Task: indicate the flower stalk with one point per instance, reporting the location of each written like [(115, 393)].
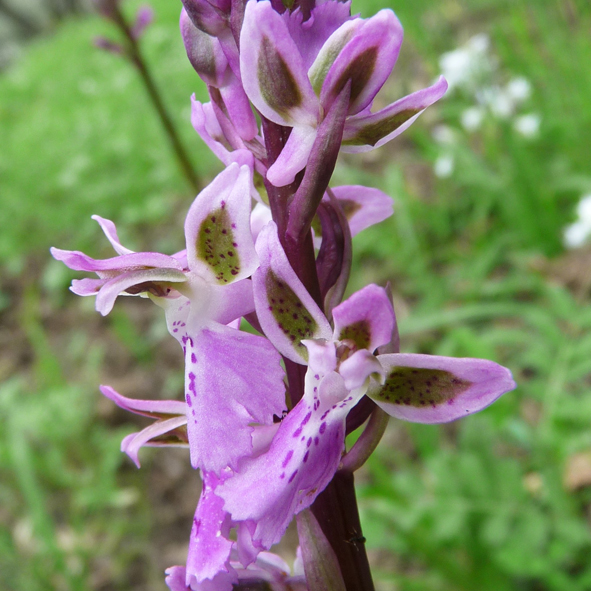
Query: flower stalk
[(265, 415)]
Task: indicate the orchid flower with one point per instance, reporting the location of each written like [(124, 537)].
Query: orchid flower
[(202, 289), (342, 367), (293, 70)]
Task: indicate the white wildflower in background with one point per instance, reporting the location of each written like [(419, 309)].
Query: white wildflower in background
[(577, 233), (519, 89), (472, 118), (464, 66), (444, 166), (527, 125)]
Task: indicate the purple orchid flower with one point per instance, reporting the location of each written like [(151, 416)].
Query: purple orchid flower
[(293, 70), (232, 379), (307, 450)]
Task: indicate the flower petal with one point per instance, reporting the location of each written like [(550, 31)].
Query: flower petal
[(143, 279), (310, 35), (363, 206), (149, 408), (365, 132), (209, 546), (219, 243), (110, 231), (301, 461), (132, 443), (232, 379), (78, 261), (433, 389), (366, 318), (272, 69), (293, 157), (286, 311), (366, 60)]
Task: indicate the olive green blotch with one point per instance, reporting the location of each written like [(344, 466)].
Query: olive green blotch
[(279, 88), (415, 386), (359, 71), (349, 207), (216, 246), (358, 332), (289, 312), (372, 133)]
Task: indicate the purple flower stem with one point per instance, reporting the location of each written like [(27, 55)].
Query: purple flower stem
[(336, 507), (336, 512), (135, 56)]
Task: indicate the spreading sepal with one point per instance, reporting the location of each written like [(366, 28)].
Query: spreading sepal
[(433, 389)]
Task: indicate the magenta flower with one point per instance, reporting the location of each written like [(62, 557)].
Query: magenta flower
[(293, 70), (271, 488), (232, 379)]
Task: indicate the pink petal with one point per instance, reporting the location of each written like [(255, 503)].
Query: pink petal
[(366, 60), (232, 379), (209, 546), (110, 231), (302, 460), (148, 408), (366, 318), (365, 132), (433, 389), (219, 243), (132, 443), (363, 206), (286, 311), (293, 157), (109, 292), (272, 69)]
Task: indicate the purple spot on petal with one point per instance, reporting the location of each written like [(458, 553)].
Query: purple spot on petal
[(282, 475), (292, 477), (309, 442), (322, 428), (316, 441), (189, 401), (306, 418), (306, 457), (287, 458)]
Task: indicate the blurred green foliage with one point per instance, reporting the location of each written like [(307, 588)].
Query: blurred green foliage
[(484, 503)]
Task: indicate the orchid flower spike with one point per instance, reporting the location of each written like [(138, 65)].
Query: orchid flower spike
[(293, 70), (343, 366)]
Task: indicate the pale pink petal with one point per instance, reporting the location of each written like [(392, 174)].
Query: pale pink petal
[(433, 389), (286, 311), (219, 243), (363, 206), (272, 69)]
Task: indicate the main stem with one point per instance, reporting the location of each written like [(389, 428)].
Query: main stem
[(336, 507), (138, 61)]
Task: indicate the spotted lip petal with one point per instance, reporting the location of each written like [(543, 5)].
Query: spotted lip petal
[(303, 457), (434, 389), (209, 546), (232, 380), (278, 293)]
